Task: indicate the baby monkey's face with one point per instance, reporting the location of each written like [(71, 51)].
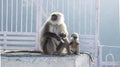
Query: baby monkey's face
[(75, 36)]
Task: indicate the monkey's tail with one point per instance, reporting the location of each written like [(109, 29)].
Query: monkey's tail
[(22, 51), (91, 58)]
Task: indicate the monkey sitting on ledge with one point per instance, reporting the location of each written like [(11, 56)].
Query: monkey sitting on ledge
[(74, 44), (53, 37), (74, 47), (51, 45)]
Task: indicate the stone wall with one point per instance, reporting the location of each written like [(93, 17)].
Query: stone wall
[(37, 60)]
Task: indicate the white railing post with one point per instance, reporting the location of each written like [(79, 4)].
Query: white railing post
[(21, 15), (38, 24), (97, 26), (31, 16), (57, 7), (97, 18), (11, 15), (26, 15), (16, 15), (85, 7), (100, 56), (47, 2), (63, 6), (6, 15), (73, 13), (52, 6), (68, 14), (2, 15), (79, 15), (91, 16)]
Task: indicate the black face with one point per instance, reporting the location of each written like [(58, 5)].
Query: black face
[(75, 37), (54, 17)]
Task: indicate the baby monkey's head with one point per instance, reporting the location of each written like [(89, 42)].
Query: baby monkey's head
[(75, 36)]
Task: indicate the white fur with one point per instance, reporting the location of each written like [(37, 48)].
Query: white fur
[(56, 27)]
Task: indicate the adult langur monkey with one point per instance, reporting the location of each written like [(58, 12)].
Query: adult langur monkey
[(74, 46), (53, 38)]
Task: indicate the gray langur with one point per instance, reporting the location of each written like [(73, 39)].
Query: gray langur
[(53, 37), (74, 46)]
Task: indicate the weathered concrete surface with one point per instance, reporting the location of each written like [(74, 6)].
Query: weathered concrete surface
[(37, 60)]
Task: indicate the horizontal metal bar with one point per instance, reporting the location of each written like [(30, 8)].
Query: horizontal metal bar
[(1, 42), (18, 48), (21, 33), (2, 37), (22, 43), (110, 63), (87, 40), (20, 38), (87, 36), (109, 46), (1, 32)]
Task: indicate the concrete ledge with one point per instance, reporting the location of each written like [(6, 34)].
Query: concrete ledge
[(37, 60)]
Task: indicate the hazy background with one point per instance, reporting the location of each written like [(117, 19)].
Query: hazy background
[(109, 22), (79, 17), (109, 17)]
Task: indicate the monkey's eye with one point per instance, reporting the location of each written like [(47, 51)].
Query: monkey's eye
[(54, 17)]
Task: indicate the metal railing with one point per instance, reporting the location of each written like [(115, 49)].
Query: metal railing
[(109, 56), (19, 23)]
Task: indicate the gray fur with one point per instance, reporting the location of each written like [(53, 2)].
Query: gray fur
[(49, 43)]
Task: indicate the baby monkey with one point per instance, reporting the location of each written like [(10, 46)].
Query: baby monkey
[(74, 46)]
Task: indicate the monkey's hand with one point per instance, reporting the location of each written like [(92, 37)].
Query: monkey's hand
[(50, 34), (62, 35)]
